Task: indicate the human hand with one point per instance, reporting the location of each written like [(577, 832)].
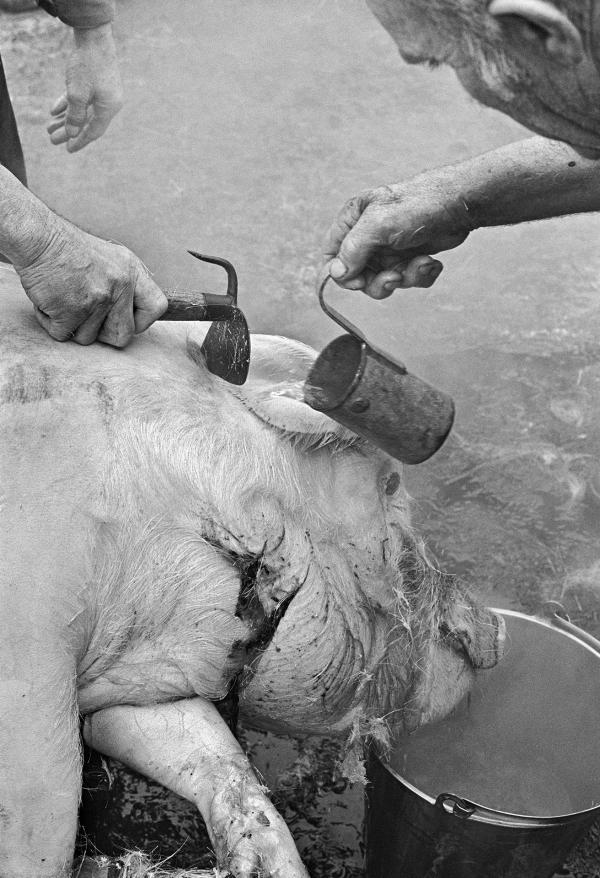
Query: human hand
[(86, 289), (382, 239), (94, 94)]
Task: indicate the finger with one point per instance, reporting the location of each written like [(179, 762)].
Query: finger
[(422, 271), (88, 331), (60, 329), (55, 125), (352, 241), (344, 221), (383, 284), (76, 115), (94, 129), (59, 106), (356, 283), (356, 250), (149, 302), (59, 137), (119, 326)]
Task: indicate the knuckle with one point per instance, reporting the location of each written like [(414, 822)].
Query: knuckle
[(59, 333), (395, 239), (120, 338), (383, 193), (77, 100), (102, 297)]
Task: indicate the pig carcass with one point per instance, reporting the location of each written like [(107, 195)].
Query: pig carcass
[(165, 534)]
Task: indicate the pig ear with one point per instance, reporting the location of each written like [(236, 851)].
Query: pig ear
[(480, 642), (274, 392)]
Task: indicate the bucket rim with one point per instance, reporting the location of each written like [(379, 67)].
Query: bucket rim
[(556, 623), (338, 401), (483, 813)]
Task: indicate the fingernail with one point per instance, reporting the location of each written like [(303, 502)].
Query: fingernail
[(428, 269), (391, 285), (337, 269)]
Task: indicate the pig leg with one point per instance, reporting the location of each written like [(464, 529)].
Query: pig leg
[(40, 769), (187, 746)]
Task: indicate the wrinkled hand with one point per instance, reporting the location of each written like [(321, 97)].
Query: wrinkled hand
[(86, 289), (381, 239), (94, 94)]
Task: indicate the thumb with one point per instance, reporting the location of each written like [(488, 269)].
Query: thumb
[(355, 251), (149, 302), (59, 106), (76, 115)]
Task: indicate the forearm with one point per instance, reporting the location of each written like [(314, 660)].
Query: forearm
[(529, 180), (26, 223)]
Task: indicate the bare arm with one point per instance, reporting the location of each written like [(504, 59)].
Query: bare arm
[(529, 180), (382, 239), (187, 746), (81, 286)]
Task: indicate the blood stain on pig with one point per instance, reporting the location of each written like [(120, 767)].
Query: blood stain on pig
[(261, 626)]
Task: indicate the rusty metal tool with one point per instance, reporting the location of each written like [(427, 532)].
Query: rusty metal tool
[(226, 347), (375, 396)]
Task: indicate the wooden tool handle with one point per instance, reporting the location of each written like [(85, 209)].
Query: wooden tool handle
[(198, 306)]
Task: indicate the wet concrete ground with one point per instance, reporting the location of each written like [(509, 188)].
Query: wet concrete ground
[(246, 126)]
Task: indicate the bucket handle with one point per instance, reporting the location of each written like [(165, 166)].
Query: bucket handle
[(558, 616), (459, 808), (350, 328)]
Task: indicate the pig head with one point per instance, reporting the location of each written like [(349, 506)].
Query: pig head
[(355, 622)]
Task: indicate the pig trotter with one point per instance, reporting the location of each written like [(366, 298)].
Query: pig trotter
[(187, 746), (250, 838)]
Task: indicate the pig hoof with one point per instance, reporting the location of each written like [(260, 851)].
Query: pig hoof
[(251, 839)]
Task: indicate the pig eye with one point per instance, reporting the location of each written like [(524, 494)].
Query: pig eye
[(392, 483)]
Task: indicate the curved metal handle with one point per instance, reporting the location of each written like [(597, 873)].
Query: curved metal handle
[(232, 281), (205, 306), (334, 314), (460, 807), (558, 616), (351, 328)]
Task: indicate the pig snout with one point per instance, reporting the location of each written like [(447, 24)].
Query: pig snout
[(471, 639), (475, 633)]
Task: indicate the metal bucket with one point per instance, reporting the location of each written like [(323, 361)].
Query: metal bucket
[(506, 785)]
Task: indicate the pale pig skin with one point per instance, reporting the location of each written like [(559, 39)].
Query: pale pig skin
[(165, 533)]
